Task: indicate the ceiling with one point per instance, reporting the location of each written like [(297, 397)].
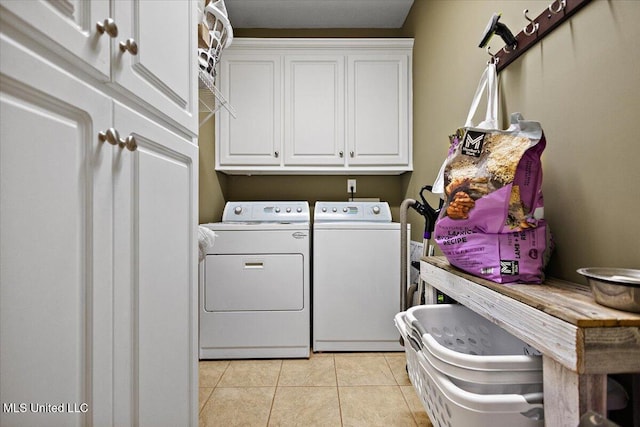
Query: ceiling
[(318, 13)]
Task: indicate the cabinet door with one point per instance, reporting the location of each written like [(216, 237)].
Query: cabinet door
[(55, 240), (251, 84), (67, 27), (155, 276), (378, 110), (314, 110), (163, 72)]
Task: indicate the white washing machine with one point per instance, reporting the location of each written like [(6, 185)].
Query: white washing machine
[(255, 283), (356, 277)]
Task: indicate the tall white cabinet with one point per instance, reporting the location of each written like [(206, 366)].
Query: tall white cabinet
[(316, 106), (98, 218)]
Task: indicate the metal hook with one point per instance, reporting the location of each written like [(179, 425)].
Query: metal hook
[(494, 59), (561, 5), (534, 25)]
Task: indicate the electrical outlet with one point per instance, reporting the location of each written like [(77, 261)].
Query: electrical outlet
[(351, 186)]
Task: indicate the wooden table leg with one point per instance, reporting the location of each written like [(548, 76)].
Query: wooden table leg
[(568, 395)]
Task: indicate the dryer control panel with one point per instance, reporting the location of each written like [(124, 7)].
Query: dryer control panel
[(352, 212), (279, 212)]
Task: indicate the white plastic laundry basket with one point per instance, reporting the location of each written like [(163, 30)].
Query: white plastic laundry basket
[(451, 406), (220, 36), (467, 347)]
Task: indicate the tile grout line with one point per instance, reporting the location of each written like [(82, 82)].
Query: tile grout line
[(205, 402), (413, 416), (212, 388), (223, 372), (335, 371), (275, 391)]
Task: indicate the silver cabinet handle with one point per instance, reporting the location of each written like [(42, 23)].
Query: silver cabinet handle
[(276, 153), (129, 143), (107, 26), (129, 45), (113, 137), (341, 154), (351, 153), (110, 135)]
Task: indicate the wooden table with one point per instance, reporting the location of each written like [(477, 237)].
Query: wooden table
[(581, 341)]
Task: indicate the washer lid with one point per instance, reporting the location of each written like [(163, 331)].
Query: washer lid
[(352, 212)]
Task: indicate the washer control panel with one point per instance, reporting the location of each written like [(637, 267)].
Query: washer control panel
[(281, 212), (352, 211)]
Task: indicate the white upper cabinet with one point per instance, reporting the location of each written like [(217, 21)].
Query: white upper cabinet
[(378, 110), (68, 28), (314, 110), (252, 85), (125, 42), (316, 106), (154, 63)]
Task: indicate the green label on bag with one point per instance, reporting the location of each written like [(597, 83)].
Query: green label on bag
[(472, 143)]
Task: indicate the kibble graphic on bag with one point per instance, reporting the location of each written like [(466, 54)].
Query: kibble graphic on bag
[(490, 166), (492, 221)]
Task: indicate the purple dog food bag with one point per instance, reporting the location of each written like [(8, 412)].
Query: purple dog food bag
[(492, 222)]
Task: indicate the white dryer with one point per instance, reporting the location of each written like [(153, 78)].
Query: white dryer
[(255, 283), (356, 277)]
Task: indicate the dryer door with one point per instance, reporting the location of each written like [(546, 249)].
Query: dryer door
[(254, 282)]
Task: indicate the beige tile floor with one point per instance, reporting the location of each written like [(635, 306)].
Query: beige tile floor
[(328, 389)]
